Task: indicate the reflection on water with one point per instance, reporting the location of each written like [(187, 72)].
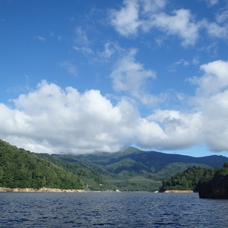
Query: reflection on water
[(111, 210)]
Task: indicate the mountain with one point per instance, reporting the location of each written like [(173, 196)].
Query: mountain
[(150, 159), (132, 169)]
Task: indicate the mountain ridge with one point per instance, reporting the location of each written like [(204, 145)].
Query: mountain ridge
[(129, 169)]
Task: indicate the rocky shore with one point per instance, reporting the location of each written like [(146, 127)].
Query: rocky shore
[(3, 189)]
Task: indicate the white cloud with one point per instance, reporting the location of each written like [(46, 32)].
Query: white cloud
[(50, 119), (152, 5), (54, 120), (84, 50), (222, 16), (212, 2), (182, 62), (81, 37), (172, 129), (126, 20), (107, 53), (130, 76), (180, 23), (215, 119), (70, 67), (142, 15), (179, 130), (40, 38), (212, 101), (215, 78), (214, 29)]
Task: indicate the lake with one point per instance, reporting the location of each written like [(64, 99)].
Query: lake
[(110, 209)]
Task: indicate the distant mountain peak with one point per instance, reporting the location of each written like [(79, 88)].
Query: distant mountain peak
[(129, 149)]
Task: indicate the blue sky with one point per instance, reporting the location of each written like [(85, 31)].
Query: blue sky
[(78, 76)]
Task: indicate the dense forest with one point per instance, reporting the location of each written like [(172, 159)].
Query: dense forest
[(20, 168), (210, 182), (127, 170), (92, 179), (135, 170)]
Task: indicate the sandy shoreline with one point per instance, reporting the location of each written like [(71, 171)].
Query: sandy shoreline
[(178, 191), (4, 189), (44, 189)]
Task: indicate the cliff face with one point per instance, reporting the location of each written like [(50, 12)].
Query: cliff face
[(217, 188)]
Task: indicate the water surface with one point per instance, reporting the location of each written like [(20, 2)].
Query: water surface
[(107, 209)]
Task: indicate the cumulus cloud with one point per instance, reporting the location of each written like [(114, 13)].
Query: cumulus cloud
[(126, 20), (214, 79), (142, 15), (186, 127), (50, 119), (212, 101), (131, 77), (215, 121), (55, 120), (179, 23)]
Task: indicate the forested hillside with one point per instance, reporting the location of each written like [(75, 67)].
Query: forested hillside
[(92, 179), (136, 170), (20, 168), (127, 170), (210, 183), (153, 160)]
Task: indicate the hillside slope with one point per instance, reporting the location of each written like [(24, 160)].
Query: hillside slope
[(20, 168), (134, 170), (151, 159), (92, 179), (210, 182)]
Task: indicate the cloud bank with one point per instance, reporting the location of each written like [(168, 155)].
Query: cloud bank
[(51, 119)]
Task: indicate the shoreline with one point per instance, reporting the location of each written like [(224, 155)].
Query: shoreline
[(178, 191), (44, 189)]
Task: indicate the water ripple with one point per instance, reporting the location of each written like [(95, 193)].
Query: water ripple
[(110, 210)]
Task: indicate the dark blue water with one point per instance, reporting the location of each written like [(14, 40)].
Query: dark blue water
[(111, 210)]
